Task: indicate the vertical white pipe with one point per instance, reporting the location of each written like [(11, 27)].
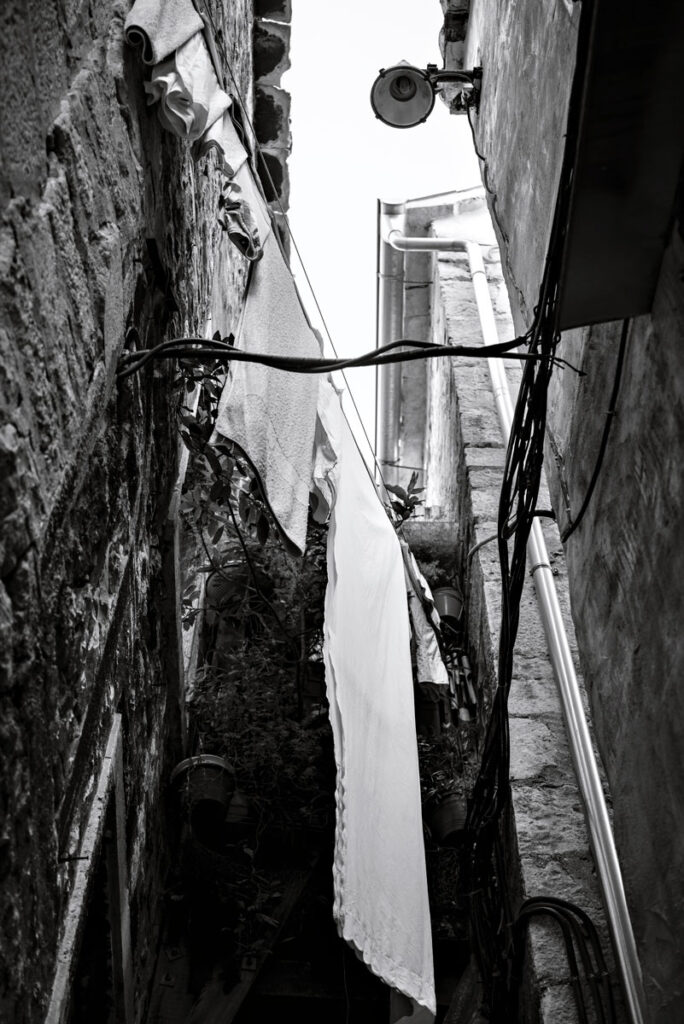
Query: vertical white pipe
[(390, 328)]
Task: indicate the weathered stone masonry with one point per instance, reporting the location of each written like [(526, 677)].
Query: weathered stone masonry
[(450, 426), (106, 223), (626, 561)]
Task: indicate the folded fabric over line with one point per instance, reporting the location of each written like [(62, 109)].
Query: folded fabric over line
[(269, 414), (161, 26), (430, 667), (238, 221), (253, 198), (223, 136), (187, 89), (380, 887)]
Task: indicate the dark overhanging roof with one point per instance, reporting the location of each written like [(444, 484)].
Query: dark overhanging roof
[(628, 163)]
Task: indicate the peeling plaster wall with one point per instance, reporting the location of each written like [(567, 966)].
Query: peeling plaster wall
[(626, 562), (88, 608)]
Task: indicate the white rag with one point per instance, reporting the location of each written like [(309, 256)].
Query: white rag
[(187, 89), (222, 135), (271, 414), (430, 667), (380, 887), (161, 26), (253, 197)]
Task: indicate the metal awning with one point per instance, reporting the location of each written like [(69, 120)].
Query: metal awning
[(629, 158)]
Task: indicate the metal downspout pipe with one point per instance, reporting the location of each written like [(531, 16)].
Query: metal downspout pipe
[(390, 328), (586, 769)]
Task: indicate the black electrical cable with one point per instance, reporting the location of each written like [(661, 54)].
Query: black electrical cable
[(225, 352), (599, 979), (610, 416)]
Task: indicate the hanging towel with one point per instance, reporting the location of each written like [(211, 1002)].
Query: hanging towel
[(223, 136), (237, 218), (253, 197), (380, 888), (271, 414), (161, 26), (430, 667), (187, 89)]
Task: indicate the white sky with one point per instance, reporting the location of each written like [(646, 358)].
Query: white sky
[(344, 159)]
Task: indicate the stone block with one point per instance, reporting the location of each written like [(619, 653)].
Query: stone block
[(275, 177), (533, 688), (538, 750), (484, 458), (548, 815), (417, 328), (558, 1005), (273, 10), (270, 51), (272, 117), (417, 300), (479, 432)]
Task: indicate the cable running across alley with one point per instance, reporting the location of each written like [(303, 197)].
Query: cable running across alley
[(223, 351)]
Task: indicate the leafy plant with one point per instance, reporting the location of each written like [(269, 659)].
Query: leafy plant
[(406, 501)]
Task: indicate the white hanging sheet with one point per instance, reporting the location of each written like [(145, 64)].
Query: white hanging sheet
[(381, 900), (271, 414)]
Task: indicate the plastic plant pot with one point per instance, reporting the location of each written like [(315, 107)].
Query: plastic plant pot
[(449, 604), (206, 784), (446, 818)]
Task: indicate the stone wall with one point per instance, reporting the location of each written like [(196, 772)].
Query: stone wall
[(625, 562), (547, 849), (106, 223)]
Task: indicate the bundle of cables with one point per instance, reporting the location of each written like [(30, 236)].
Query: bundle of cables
[(222, 350), (499, 934)]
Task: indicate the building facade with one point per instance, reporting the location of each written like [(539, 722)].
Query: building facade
[(110, 238), (615, 433)]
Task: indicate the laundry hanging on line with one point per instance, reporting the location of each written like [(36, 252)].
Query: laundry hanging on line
[(380, 889), (292, 428), (192, 105), (430, 667), (187, 90), (271, 415), (159, 27), (222, 135)]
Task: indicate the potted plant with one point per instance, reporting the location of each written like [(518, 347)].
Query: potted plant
[(443, 786)]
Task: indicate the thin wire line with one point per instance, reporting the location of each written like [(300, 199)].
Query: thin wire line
[(299, 257)]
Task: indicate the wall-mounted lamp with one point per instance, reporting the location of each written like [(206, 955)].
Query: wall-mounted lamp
[(403, 96)]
